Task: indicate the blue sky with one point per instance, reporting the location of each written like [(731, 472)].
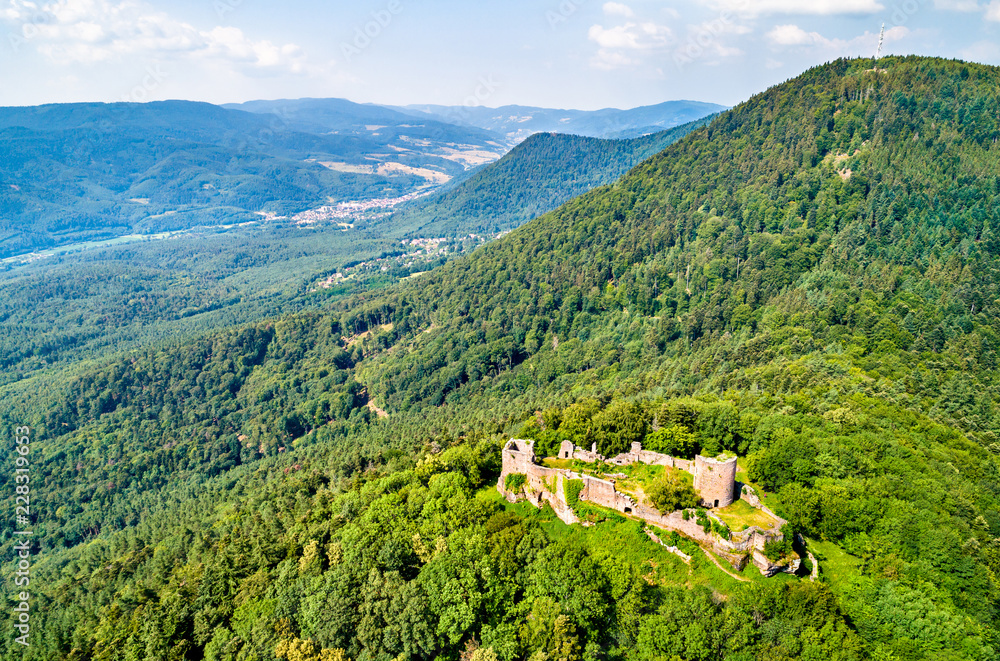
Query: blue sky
[(583, 54)]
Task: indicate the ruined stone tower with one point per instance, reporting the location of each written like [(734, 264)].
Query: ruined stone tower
[(715, 480)]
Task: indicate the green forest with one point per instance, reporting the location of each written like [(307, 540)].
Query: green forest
[(537, 176), (811, 281), (78, 172)]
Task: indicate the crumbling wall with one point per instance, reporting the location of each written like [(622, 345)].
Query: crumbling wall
[(518, 456), (548, 485), (557, 499), (603, 492), (715, 480), (658, 459)]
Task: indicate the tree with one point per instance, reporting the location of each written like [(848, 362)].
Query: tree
[(671, 492), (674, 440), (618, 426), (295, 649), (577, 421)]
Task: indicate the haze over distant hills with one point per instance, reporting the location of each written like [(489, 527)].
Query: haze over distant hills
[(76, 172), (518, 122), (71, 173)]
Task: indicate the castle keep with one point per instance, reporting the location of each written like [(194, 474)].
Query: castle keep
[(714, 480)]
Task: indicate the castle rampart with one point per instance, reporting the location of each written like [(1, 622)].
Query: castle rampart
[(715, 479)]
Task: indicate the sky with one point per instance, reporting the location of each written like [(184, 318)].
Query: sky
[(583, 54)]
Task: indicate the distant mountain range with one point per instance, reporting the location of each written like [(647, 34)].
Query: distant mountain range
[(78, 172), (518, 122)]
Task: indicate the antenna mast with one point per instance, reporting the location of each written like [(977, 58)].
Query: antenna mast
[(881, 40)]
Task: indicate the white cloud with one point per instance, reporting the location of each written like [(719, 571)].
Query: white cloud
[(620, 44), (711, 38), (93, 31), (618, 9), (798, 7), (630, 36), (993, 11), (982, 51), (790, 36), (793, 35)]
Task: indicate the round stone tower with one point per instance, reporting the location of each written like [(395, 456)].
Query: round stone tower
[(715, 480)]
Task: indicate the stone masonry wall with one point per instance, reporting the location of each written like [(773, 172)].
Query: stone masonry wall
[(715, 481), (603, 492), (549, 485)]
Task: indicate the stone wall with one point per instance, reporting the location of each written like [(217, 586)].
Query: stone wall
[(583, 455), (715, 481), (518, 456), (548, 485), (657, 459), (603, 492)]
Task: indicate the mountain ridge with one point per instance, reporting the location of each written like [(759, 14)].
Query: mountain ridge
[(536, 176), (518, 122)]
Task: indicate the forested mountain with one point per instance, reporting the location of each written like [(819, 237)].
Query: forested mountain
[(71, 173), (75, 172), (519, 122), (810, 282), (538, 175)]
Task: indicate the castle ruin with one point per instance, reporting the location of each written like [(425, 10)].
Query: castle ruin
[(714, 480)]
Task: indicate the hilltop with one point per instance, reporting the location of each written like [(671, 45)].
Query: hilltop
[(535, 177), (809, 283)]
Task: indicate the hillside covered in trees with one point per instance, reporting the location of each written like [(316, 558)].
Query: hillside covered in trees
[(537, 176), (810, 282), (83, 171)]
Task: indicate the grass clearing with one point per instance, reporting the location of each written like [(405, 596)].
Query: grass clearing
[(615, 538), (622, 537), (552, 462), (836, 566), (740, 516)]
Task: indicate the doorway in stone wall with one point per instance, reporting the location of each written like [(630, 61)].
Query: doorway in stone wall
[(716, 503)]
